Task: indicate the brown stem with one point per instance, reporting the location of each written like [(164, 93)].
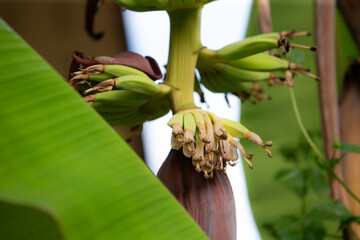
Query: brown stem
[(350, 10), (325, 40), (350, 132), (264, 10)]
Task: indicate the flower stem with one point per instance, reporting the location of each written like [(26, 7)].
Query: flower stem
[(184, 43), (333, 174), (314, 147), (301, 125)]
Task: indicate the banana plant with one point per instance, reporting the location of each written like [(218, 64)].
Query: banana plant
[(60, 157)]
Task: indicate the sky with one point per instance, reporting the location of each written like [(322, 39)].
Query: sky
[(222, 23)]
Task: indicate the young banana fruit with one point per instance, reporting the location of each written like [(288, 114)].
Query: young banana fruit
[(230, 68), (258, 44), (208, 140), (135, 83), (122, 95), (129, 108)]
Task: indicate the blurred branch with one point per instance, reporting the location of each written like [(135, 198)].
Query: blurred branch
[(350, 132), (325, 41), (350, 10), (264, 15)]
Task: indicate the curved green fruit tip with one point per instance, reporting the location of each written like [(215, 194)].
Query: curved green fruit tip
[(235, 129), (119, 98), (139, 84), (260, 62), (245, 48), (200, 124), (235, 74), (177, 118), (122, 70), (189, 123), (100, 77), (238, 130)]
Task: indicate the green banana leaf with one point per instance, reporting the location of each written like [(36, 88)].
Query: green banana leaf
[(64, 172), (275, 120)]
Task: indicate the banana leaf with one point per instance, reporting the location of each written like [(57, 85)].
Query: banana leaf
[(64, 172)]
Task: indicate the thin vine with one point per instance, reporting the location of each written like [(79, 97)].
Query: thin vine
[(314, 147)]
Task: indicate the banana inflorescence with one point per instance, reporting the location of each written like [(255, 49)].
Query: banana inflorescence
[(209, 140), (121, 94), (237, 68), (122, 90)]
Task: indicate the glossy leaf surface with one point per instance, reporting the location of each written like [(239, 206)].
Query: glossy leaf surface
[(59, 157)]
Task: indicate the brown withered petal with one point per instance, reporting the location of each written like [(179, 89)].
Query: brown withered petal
[(210, 202), (145, 64)]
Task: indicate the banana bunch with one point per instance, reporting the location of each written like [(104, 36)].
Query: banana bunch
[(209, 140), (122, 95), (237, 68), (151, 5)]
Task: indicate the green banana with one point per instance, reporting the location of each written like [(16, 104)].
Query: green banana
[(177, 118), (189, 123), (217, 82), (261, 62), (130, 116), (135, 83), (235, 129), (81, 78), (210, 132), (100, 77), (190, 131), (121, 70), (197, 136), (139, 84), (226, 83), (176, 123), (238, 130), (200, 124), (209, 83), (254, 45), (246, 47), (277, 35), (233, 74), (121, 98), (219, 129), (213, 80), (177, 136), (243, 90), (113, 69)]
